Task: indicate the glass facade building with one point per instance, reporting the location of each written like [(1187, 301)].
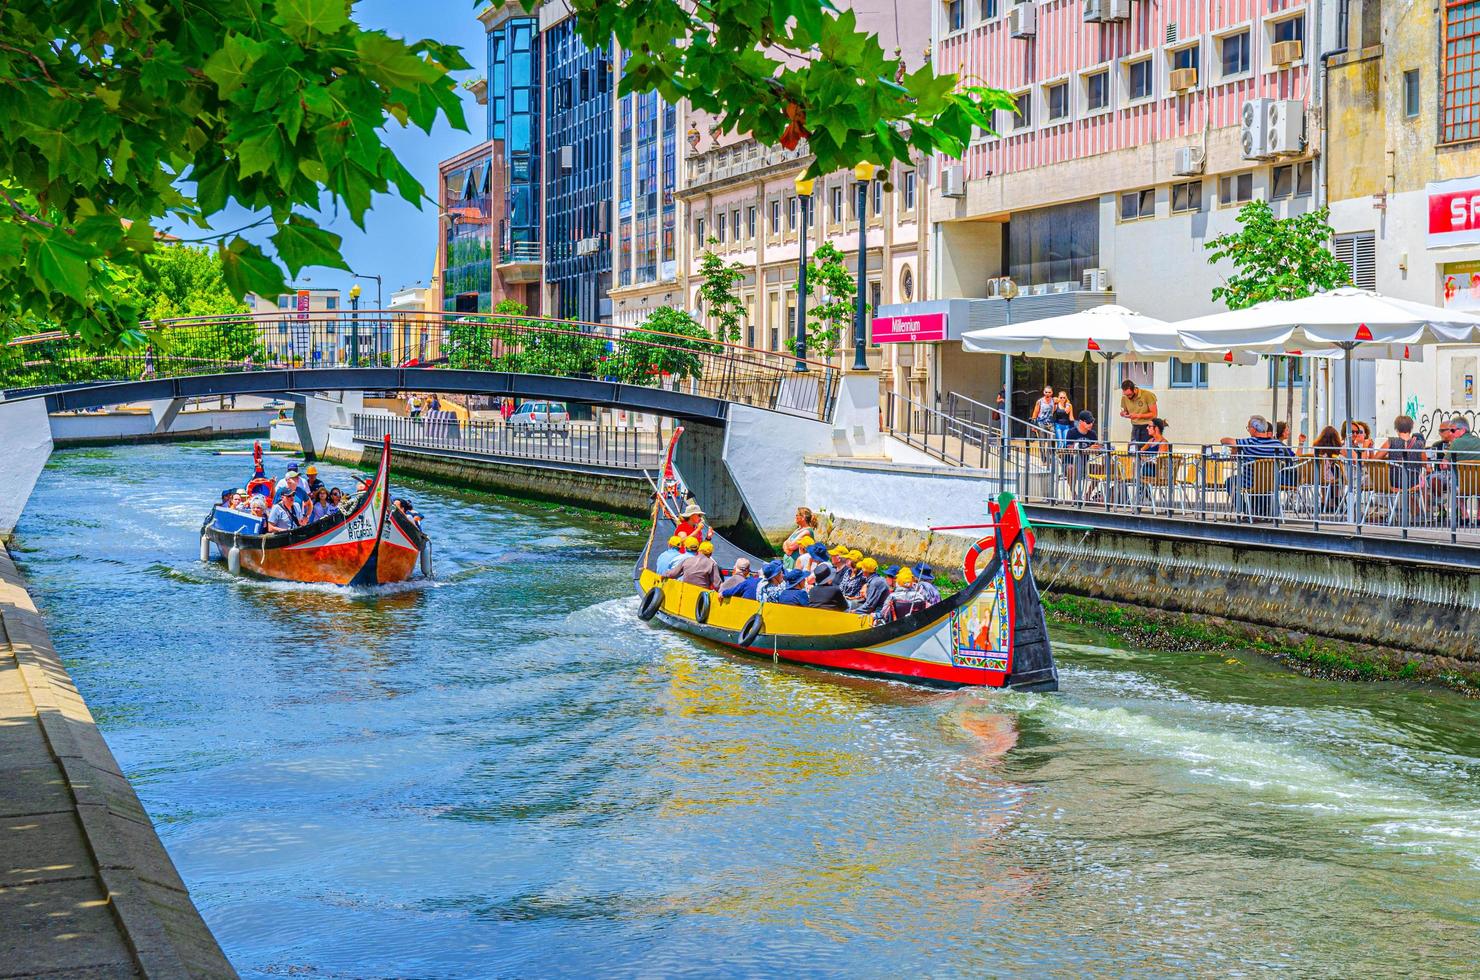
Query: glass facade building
[(578, 174), (467, 260), (514, 124), (647, 174)]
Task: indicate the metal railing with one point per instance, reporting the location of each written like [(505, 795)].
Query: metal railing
[(1423, 498), (579, 444), (959, 406), (521, 252), (935, 433), (472, 341)]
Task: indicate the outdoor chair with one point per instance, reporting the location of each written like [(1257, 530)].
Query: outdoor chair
[(1302, 490), (1261, 498), (1467, 491)]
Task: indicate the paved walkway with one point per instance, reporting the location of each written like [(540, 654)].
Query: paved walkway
[(86, 888)]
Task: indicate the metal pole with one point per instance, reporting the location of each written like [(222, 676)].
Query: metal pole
[(354, 330), (1005, 422), (801, 335), (860, 336), (1353, 488)]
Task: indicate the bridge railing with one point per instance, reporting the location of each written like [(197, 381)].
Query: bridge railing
[(470, 341), (607, 446)]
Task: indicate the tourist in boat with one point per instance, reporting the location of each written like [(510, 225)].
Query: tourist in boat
[(699, 568), (692, 525), (802, 558), (314, 483), (774, 582), (904, 599), (321, 506), (806, 526), (689, 548), (793, 594), (284, 514), (875, 587), (257, 507), (825, 594), (738, 576), (291, 484), (849, 575), (819, 555), (925, 582), (666, 559)]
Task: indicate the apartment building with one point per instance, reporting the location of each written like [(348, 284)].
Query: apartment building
[(1139, 130), (289, 337), (1403, 164), (644, 257), (744, 197)]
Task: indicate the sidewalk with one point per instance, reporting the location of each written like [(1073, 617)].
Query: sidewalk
[(86, 888)]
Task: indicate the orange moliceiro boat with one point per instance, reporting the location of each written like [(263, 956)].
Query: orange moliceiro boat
[(371, 544), (991, 633)]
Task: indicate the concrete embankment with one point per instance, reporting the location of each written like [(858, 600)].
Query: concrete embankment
[(86, 888)]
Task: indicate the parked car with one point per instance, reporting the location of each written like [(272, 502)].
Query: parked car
[(550, 418)]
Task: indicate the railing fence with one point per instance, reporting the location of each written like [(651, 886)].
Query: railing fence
[(615, 447)]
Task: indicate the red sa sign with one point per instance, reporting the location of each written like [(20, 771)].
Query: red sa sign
[(1454, 212)]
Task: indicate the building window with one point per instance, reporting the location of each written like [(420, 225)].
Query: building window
[(955, 15), (837, 205), (1138, 373), (1187, 57), (1290, 29), (878, 192), (1188, 374), (1097, 91), (1461, 116), (1136, 205), (1055, 244), (735, 223), (1023, 118), (719, 226), (1236, 189), (282, 302), (1287, 369), (1235, 51), (1410, 93), (331, 302), (699, 232), (750, 222), (907, 284), (1187, 198), (1291, 180), (1138, 79), (775, 217), (907, 195), (791, 213), (1359, 252), (1057, 97), (989, 9)]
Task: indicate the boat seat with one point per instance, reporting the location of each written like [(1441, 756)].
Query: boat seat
[(234, 521)]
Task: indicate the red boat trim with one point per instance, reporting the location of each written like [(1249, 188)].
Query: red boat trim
[(870, 662), (380, 474)]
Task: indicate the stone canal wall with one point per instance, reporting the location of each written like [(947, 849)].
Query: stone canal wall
[(86, 888)]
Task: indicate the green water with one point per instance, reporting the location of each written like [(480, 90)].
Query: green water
[(504, 772)]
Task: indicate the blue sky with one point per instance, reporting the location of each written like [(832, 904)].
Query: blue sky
[(398, 241)]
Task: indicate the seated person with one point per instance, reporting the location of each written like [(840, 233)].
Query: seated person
[(773, 582), (873, 587), (692, 524), (321, 506), (690, 548), (793, 594), (257, 507), (700, 568), (925, 582), (804, 558), (819, 555), (826, 595), (283, 516), (739, 575), (666, 559), (906, 599)]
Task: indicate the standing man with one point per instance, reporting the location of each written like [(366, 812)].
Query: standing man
[(1138, 405)]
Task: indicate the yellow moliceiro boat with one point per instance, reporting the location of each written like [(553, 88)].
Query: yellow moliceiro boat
[(991, 633)]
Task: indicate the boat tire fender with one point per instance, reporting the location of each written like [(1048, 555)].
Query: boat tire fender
[(751, 631), (701, 607), (205, 548), (651, 603), (234, 560), (426, 560)]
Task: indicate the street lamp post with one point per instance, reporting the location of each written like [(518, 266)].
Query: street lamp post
[(804, 188), (354, 325), (379, 303), (863, 173)]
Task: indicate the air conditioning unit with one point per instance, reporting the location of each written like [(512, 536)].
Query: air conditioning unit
[(1284, 53), (1106, 11), (1188, 161), (1286, 126), (1095, 281), (1184, 79), (1254, 129), (952, 181), (567, 157), (1022, 20)]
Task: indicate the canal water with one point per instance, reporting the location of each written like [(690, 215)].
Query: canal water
[(503, 772)]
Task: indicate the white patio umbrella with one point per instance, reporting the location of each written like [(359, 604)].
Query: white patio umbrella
[(1108, 331)]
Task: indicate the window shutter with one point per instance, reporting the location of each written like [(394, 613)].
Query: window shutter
[(1359, 252)]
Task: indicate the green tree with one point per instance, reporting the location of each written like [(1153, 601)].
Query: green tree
[(123, 115), (670, 342), (831, 294), (183, 281), (718, 280), (1276, 258), (476, 342), (787, 70)]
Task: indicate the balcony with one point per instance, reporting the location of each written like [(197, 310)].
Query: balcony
[(521, 262)]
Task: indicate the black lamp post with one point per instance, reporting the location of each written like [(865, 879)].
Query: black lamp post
[(863, 173), (379, 302), (354, 325), (804, 195)]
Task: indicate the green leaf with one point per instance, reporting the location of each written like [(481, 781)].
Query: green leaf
[(231, 67), (304, 18), (302, 243), (247, 269), (58, 263)]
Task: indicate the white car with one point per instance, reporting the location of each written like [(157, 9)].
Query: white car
[(549, 417)]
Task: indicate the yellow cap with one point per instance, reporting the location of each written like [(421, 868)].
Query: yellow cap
[(806, 541), (855, 556), (905, 576), (706, 547), (691, 544), (838, 550), (868, 565), (312, 470), (675, 541)]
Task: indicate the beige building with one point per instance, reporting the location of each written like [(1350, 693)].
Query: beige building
[(290, 338)]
